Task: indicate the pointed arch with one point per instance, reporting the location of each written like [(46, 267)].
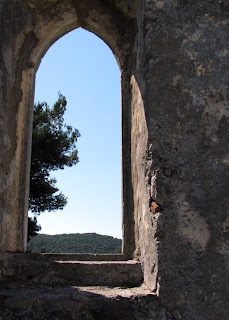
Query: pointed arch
[(31, 45)]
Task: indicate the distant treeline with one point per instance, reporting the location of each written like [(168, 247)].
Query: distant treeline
[(74, 243)]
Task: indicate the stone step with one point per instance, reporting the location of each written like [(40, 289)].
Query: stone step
[(86, 303), (75, 273)]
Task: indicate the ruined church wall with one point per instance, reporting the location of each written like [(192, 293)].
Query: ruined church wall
[(175, 120)]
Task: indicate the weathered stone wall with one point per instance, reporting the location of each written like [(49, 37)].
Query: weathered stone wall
[(184, 234), (173, 55)]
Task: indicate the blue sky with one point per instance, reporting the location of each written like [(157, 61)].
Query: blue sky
[(83, 68)]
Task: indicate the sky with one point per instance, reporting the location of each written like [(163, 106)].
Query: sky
[(83, 68)]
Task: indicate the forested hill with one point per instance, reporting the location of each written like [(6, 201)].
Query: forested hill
[(74, 243)]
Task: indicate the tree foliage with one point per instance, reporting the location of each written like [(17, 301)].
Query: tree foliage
[(53, 148), (33, 228)]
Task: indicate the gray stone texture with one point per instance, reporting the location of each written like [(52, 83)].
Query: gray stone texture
[(55, 270), (174, 59), (186, 161), (80, 303)]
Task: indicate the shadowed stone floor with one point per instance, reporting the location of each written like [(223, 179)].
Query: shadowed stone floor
[(62, 302)]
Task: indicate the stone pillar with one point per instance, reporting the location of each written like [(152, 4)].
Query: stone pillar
[(15, 123)]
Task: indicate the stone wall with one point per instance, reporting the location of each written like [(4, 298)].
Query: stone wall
[(184, 237), (173, 56)]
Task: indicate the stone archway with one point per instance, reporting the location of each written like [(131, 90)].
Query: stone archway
[(40, 25)]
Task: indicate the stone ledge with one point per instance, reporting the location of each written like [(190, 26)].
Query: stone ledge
[(66, 256), (75, 273)]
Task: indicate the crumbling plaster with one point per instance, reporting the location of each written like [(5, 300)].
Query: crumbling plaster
[(174, 59)]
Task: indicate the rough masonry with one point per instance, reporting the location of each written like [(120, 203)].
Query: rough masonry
[(174, 60)]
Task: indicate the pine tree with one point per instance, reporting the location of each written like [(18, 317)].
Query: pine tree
[(53, 148)]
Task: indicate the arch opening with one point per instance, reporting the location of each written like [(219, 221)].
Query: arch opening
[(31, 44), (82, 68)]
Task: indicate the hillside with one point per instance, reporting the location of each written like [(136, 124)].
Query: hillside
[(74, 243)]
